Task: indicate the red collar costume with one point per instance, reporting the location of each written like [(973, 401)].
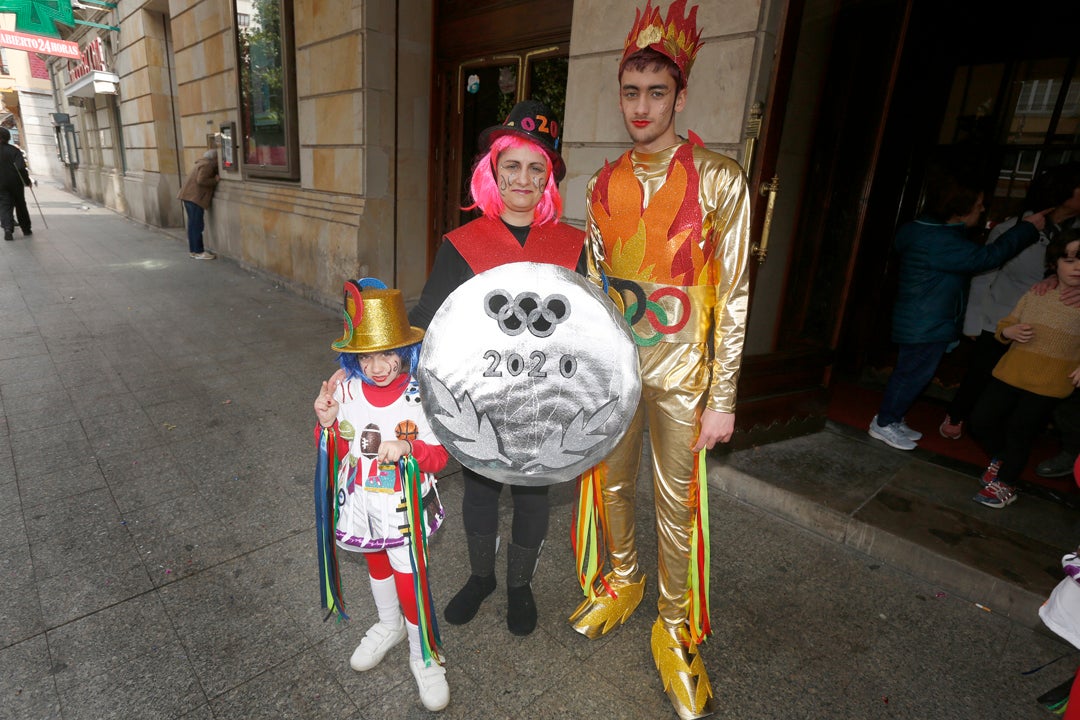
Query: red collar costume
[(486, 243)]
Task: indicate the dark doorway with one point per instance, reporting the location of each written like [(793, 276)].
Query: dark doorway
[(1002, 92), (892, 83)]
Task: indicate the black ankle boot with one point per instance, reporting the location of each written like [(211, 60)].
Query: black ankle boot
[(520, 605), (481, 583), (520, 610), (463, 606)]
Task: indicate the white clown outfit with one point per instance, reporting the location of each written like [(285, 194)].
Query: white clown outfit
[(370, 510), (386, 511)]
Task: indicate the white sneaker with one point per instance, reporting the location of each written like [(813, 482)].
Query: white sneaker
[(431, 682), (376, 643), (892, 435), (912, 434), (205, 255)]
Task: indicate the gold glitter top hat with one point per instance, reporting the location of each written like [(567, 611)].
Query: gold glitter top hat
[(677, 37), (375, 319)]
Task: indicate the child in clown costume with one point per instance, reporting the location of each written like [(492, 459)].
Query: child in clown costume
[(373, 422)]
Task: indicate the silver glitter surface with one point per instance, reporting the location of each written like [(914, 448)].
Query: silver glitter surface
[(528, 374)]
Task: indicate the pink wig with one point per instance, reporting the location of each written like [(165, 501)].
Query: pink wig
[(485, 189)]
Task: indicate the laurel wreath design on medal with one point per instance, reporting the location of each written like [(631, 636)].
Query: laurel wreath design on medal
[(563, 448), (478, 438)]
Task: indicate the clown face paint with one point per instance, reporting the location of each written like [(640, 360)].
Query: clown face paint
[(522, 175), (529, 374), (383, 367)]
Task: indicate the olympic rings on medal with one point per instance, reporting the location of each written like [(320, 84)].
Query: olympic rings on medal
[(501, 307), (526, 310)]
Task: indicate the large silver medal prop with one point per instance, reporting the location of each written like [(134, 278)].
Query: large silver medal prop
[(528, 374)]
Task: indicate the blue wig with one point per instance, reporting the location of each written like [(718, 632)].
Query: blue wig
[(409, 354)]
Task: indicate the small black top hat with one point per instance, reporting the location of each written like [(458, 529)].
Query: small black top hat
[(532, 120)]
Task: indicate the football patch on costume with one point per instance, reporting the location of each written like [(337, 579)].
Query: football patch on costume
[(370, 439)]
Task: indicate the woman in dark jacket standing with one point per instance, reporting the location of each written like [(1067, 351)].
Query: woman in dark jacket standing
[(936, 262)]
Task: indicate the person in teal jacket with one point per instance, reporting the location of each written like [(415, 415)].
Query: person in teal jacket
[(936, 262)]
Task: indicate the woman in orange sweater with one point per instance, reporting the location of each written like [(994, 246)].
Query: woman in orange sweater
[(1039, 369)]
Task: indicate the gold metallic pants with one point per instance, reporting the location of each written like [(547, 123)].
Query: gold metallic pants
[(674, 382)]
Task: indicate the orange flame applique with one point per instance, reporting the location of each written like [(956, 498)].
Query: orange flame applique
[(660, 243), (617, 205)]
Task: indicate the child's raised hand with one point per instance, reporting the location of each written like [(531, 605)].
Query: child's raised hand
[(1075, 377), (390, 451), (1020, 332), (326, 407), (337, 379)]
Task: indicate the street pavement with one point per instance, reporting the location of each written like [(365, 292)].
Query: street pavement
[(157, 542)]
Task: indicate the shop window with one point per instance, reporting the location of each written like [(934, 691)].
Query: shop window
[(264, 39)]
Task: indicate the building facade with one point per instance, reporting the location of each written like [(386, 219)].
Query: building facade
[(329, 175), (28, 104), (346, 129)]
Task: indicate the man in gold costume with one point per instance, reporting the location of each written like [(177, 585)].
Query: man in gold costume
[(668, 236)]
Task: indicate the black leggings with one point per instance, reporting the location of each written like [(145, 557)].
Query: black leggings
[(984, 357), (1006, 421), (480, 509)]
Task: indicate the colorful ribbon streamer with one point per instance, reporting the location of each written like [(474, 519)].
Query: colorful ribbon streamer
[(700, 556), (417, 530), (326, 515), (587, 532)]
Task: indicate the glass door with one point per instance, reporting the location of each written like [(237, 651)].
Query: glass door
[(479, 93)]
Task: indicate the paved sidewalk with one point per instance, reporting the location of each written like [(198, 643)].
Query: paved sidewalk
[(157, 542)]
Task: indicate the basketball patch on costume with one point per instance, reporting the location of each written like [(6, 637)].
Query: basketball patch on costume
[(406, 430)]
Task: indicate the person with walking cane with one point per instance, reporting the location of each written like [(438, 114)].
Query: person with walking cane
[(13, 180)]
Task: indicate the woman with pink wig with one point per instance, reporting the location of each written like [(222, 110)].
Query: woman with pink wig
[(515, 184)]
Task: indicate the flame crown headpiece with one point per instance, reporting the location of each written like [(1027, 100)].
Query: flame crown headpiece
[(677, 38)]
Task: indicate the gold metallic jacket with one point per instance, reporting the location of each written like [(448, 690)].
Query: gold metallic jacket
[(671, 233)]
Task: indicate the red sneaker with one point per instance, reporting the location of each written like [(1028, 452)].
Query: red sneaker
[(991, 472), (996, 495), (951, 430)]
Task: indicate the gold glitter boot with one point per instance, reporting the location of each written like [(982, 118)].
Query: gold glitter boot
[(682, 671), (594, 618)]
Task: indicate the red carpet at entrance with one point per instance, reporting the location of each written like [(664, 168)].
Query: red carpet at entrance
[(854, 405)]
